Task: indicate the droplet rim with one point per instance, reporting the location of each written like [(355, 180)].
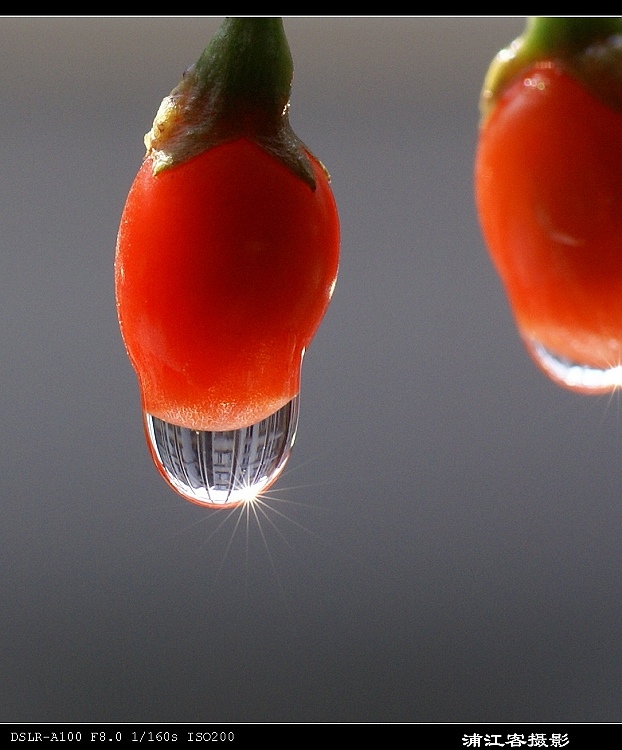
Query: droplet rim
[(240, 495), (575, 376)]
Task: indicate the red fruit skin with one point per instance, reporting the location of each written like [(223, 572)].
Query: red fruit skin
[(225, 266), (548, 182)]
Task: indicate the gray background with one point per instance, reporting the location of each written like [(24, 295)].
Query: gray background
[(446, 542)]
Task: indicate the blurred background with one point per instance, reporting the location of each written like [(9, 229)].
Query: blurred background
[(445, 544)]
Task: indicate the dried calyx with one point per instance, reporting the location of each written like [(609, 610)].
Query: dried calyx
[(239, 88), (589, 49)]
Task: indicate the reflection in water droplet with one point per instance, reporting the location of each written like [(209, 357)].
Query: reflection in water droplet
[(223, 468), (573, 375)]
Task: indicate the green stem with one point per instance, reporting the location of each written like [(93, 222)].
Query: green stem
[(247, 67), (546, 34)]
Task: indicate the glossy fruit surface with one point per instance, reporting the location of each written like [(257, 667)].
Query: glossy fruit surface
[(549, 195), (225, 266)]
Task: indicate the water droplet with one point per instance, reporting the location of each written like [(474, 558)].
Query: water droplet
[(574, 375), (223, 468)]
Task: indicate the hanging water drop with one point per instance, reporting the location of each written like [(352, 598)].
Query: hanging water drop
[(223, 469), (576, 376)]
